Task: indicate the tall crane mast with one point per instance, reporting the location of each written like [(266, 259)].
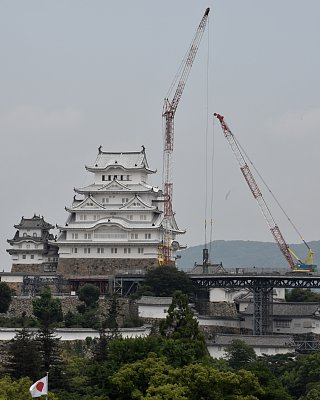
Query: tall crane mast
[(169, 110), (279, 239)]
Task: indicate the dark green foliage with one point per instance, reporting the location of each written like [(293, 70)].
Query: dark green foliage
[(239, 354), (48, 312), (155, 378), (164, 281), (24, 356), (305, 373), (302, 295), (16, 322), (88, 316), (90, 319), (46, 309), (109, 329), (71, 319), (5, 297), (273, 389), (113, 313), (132, 322), (89, 294), (180, 322), (11, 389)]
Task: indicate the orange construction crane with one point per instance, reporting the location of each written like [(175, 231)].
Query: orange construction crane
[(298, 266)]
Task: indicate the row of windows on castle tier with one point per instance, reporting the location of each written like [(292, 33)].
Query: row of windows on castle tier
[(107, 200), (35, 246), (95, 217), (32, 257), (26, 234), (102, 250), (104, 235), (112, 177)]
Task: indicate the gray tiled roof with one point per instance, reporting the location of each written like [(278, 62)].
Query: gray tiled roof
[(35, 222), (130, 187), (151, 300), (253, 340), (211, 269), (289, 309), (128, 160)]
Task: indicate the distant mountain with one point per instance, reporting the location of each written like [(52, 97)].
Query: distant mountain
[(240, 253)]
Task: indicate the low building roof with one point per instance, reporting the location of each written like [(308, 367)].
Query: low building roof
[(289, 309), (210, 269), (255, 340), (152, 300)]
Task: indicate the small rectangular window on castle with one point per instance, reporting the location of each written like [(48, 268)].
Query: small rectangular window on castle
[(140, 250), (127, 250), (114, 250), (100, 250)]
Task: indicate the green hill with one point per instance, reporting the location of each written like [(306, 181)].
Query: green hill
[(240, 253)]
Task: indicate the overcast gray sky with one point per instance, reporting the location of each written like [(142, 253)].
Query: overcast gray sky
[(77, 74)]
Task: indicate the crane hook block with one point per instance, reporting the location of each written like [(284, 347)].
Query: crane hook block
[(207, 11)]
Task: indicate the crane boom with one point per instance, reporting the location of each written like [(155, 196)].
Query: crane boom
[(279, 239), (169, 110)]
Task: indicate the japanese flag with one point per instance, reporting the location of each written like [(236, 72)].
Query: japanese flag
[(40, 387)]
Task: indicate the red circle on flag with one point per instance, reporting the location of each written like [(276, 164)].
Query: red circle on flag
[(39, 386)]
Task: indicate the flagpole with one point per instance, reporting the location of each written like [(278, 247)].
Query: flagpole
[(47, 385)]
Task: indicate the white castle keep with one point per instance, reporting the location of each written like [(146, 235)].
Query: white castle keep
[(115, 223)]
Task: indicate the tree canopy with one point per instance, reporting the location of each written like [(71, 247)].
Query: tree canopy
[(302, 295), (165, 280), (180, 322), (238, 354), (47, 310), (89, 294)]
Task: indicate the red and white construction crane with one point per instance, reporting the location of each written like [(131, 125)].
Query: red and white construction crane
[(169, 110), (298, 266)]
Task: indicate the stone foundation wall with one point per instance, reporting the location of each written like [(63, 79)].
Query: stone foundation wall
[(28, 268), (68, 267), (222, 309), (127, 308), (211, 331)]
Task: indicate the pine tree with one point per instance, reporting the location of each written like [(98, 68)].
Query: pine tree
[(48, 312), (23, 356), (180, 322), (109, 330)]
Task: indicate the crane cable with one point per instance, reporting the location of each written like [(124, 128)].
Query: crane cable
[(207, 134), (212, 188), (272, 194)]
